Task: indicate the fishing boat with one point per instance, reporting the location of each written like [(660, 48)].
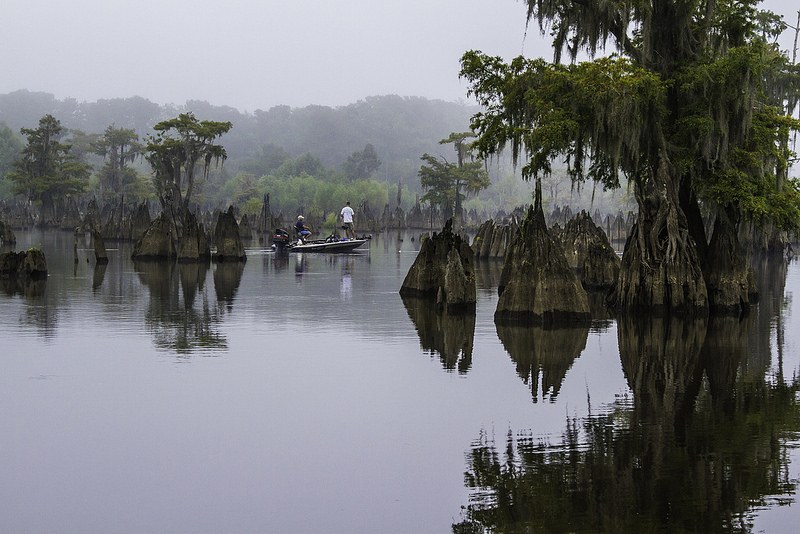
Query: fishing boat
[(282, 241)]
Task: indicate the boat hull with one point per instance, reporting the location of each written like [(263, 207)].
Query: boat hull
[(327, 246)]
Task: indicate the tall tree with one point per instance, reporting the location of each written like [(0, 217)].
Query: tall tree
[(10, 149), (46, 170), (361, 164), (681, 110), (119, 147), (447, 184), (179, 148)]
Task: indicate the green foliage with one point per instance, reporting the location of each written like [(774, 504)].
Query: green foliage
[(179, 146), (119, 147), (316, 197), (702, 104), (268, 158), (10, 149), (447, 184), (361, 165), (45, 169), (601, 112)]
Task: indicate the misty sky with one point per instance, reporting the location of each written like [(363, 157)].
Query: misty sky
[(255, 54)]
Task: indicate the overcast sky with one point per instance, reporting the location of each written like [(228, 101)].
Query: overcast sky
[(255, 54)]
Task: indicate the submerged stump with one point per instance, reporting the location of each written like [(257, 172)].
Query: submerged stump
[(730, 281), (156, 243), (100, 254), (537, 285), (7, 236), (227, 238), (194, 246), (28, 265), (443, 270), (589, 252)]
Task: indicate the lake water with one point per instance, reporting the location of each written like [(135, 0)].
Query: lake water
[(300, 393)]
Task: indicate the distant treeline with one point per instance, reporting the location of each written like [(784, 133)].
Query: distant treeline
[(400, 129), (311, 158)]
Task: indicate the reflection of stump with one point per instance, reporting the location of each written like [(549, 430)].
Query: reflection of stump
[(725, 348), (661, 361), (98, 275), (192, 276), (227, 277), (449, 336), (543, 353), (444, 270)]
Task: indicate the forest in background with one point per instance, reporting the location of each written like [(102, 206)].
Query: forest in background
[(303, 157)]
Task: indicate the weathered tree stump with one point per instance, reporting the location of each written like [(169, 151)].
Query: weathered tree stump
[(156, 243), (28, 265), (589, 253), (227, 239), (492, 240), (444, 270), (140, 221), (729, 279), (100, 254), (7, 236), (194, 246), (537, 285), (245, 229)]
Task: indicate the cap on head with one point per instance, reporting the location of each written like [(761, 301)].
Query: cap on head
[(300, 217)]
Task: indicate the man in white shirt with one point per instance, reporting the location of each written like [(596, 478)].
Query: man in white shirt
[(347, 220)]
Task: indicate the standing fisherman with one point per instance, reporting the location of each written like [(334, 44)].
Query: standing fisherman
[(347, 220)]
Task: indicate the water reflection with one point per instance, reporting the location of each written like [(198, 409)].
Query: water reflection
[(543, 355), (685, 455), (174, 317), (487, 274), (227, 277), (449, 336), (661, 362), (346, 286), (30, 289), (98, 275)]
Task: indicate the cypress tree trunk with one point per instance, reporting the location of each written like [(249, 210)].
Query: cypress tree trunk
[(660, 270), (728, 277)]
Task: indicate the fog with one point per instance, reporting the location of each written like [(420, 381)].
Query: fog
[(257, 54)]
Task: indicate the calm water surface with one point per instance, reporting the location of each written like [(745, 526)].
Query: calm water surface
[(300, 393)]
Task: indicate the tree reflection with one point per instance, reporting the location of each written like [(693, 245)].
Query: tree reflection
[(688, 455), (449, 336), (543, 355), (227, 277), (179, 314)]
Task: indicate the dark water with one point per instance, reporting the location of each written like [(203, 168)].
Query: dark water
[(302, 394)]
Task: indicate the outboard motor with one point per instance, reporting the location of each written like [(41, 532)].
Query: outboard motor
[(280, 238)]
